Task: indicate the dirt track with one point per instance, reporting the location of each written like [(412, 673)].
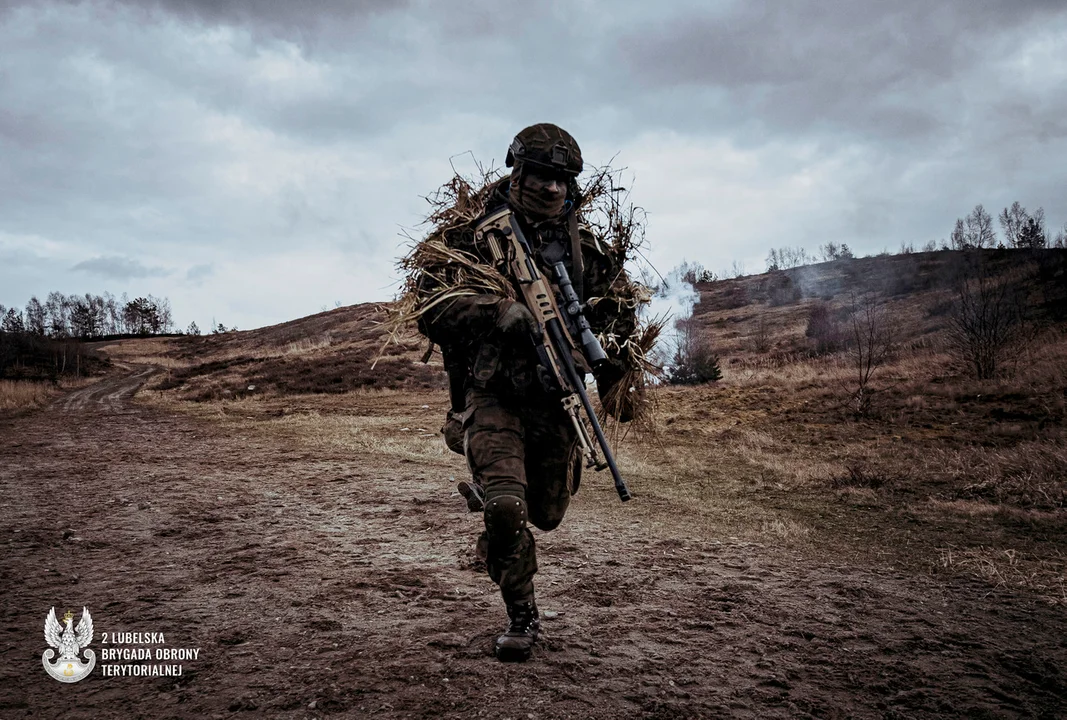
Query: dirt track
[(333, 585)]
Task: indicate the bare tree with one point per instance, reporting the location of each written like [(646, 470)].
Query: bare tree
[(980, 232), (686, 271), (56, 308), (1061, 238), (1039, 216), (1011, 222), (789, 257), (36, 319), (164, 320), (989, 317), (871, 344), (773, 261), (112, 315), (958, 238)]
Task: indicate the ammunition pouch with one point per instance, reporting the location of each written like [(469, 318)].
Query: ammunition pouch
[(453, 431), (486, 363)]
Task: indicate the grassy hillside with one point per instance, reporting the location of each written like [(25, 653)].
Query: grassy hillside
[(328, 353), (940, 471)]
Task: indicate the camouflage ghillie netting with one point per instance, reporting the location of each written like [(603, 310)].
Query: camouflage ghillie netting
[(446, 265)]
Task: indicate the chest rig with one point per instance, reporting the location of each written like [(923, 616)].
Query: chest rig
[(551, 244)]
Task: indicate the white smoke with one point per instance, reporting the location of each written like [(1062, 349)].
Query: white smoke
[(673, 299)]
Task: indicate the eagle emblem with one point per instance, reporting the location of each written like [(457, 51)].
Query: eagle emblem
[(71, 642)]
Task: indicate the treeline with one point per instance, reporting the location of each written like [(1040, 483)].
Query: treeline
[(87, 316), (24, 356), (1021, 230), (790, 257)]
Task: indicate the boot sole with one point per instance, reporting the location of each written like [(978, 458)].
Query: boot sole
[(513, 654)]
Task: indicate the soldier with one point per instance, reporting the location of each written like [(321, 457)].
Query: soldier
[(519, 443)]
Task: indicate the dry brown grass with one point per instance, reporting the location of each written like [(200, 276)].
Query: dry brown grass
[(1030, 474), (771, 454), (143, 351), (18, 395), (1009, 568), (22, 395)]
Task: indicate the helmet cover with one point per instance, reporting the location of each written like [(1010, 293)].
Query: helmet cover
[(548, 146)]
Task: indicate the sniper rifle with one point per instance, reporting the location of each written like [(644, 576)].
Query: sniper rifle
[(508, 247)]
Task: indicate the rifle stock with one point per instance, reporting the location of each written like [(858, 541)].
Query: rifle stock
[(508, 246)]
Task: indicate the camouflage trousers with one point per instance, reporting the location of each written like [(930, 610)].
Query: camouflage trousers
[(525, 456)]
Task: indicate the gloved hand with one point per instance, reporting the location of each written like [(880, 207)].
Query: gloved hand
[(515, 319)]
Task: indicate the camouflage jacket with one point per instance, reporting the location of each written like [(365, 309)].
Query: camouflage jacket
[(465, 327)]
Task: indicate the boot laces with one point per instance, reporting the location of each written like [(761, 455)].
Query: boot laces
[(522, 618)]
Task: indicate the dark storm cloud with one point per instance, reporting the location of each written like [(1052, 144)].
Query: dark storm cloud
[(118, 268), (267, 152), (292, 19), (887, 69), (281, 12), (313, 24)]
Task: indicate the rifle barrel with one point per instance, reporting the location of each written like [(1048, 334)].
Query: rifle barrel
[(556, 333)]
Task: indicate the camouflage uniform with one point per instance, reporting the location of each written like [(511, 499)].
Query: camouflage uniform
[(519, 443)]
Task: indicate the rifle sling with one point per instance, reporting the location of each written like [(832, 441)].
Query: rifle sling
[(577, 267)]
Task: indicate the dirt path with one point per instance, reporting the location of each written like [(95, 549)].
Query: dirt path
[(320, 584)]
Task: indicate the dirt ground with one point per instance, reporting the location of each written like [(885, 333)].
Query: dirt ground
[(321, 582)]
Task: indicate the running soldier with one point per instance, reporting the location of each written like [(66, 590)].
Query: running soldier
[(520, 445)]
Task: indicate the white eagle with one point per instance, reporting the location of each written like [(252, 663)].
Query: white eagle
[(70, 640)]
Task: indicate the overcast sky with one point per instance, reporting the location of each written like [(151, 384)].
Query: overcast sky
[(256, 160)]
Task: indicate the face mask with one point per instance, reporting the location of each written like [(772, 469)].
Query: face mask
[(538, 198)]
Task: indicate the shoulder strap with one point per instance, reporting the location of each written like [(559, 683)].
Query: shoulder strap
[(577, 265)]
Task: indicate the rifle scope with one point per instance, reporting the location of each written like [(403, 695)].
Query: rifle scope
[(594, 353)]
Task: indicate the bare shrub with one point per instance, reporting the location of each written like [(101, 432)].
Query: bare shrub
[(859, 475), (825, 330), (871, 335), (735, 297), (940, 307), (781, 290), (761, 339), (989, 323)]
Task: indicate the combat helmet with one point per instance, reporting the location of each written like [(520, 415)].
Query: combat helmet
[(548, 146)]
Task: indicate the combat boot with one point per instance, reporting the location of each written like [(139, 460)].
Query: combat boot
[(473, 494), (517, 643)]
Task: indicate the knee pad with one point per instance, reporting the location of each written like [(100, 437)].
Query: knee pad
[(505, 518)]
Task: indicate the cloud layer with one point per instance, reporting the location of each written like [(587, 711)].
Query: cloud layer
[(256, 161)]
